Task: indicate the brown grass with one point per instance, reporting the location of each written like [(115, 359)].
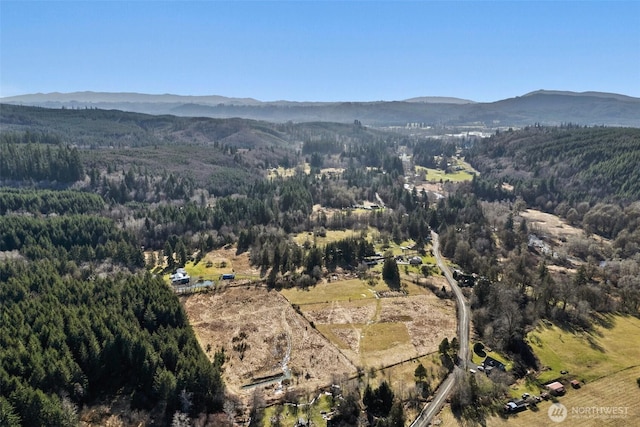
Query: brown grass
[(554, 226), (269, 323), (377, 332)]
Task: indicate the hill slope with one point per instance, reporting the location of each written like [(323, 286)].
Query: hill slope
[(546, 107), (563, 164)]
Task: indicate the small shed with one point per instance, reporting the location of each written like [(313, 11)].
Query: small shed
[(575, 384), (556, 388)]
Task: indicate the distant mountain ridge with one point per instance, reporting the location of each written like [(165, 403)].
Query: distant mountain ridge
[(126, 97), (590, 93), (543, 106)]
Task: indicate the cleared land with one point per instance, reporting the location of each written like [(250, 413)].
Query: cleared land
[(374, 331), (587, 355), (618, 390), (553, 226), (271, 330), (221, 261)]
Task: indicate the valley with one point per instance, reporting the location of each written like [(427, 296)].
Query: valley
[(310, 275)]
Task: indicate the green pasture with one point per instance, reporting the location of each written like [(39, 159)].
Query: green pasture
[(587, 355), (437, 175), (383, 336), (205, 269), (345, 290), (478, 359), (619, 390), (331, 236)]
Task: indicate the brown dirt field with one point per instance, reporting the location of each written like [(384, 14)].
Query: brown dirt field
[(557, 228), (269, 323)]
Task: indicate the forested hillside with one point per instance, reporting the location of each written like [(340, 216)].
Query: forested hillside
[(569, 164)]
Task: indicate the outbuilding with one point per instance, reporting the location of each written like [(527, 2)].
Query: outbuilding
[(556, 388)]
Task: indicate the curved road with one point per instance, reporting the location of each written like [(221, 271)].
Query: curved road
[(433, 407)]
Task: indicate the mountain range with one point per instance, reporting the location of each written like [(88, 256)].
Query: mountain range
[(543, 106)]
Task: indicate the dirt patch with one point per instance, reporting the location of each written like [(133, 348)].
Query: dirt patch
[(341, 312), (226, 258), (555, 227), (256, 327)]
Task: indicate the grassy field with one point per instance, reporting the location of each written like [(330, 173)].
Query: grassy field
[(606, 361), (618, 390), (477, 359), (383, 336), (287, 172), (331, 236), (345, 290), (588, 356), (435, 175)]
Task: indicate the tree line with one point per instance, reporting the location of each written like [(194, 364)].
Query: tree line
[(38, 162), (49, 201)]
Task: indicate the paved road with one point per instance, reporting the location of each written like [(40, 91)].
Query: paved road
[(433, 407)]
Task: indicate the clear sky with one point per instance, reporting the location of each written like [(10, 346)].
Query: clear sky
[(320, 51)]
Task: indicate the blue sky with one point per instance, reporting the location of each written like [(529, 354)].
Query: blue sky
[(320, 51)]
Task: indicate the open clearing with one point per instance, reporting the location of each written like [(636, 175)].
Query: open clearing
[(268, 325), (618, 390), (554, 227), (373, 331), (218, 262), (587, 355), (355, 328)]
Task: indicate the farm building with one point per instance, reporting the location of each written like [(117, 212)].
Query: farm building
[(181, 277), (556, 388), (416, 260)]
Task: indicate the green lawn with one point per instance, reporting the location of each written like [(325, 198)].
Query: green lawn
[(477, 359), (290, 414), (205, 270), (331, 236)]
